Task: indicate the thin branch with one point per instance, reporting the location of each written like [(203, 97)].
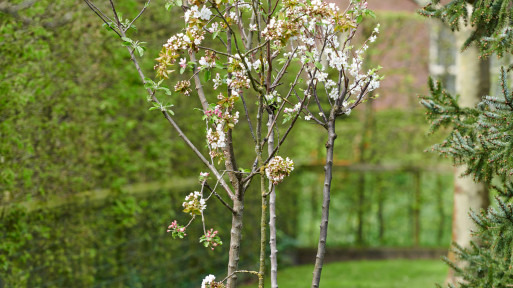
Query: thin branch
[(256, 48), (247, 117), (101, 15), (216, 51), (197, 82), (97, 10), (230, 30), (218, 197), (284, 68), (241, 271), (283, 104), (239, 23), (120, 26), (139, 15), (286, 132)]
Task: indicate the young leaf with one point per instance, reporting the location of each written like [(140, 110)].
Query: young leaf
[(207, 75), (140, 50)]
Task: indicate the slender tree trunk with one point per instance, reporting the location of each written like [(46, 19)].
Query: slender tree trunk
[(328, 171), (272, 220), (472, 82), (263, 230), (235, 237)]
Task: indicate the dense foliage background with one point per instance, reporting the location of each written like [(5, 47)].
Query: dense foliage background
[(74, 120)]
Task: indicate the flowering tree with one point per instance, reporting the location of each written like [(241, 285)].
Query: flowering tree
[(261, 43)]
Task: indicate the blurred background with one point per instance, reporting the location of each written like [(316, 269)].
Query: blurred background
[(90, 179)]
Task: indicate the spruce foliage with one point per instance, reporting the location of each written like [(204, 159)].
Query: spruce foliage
[(492, 21), (482, 138)]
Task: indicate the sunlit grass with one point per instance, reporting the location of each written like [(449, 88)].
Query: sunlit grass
[(367, 274)]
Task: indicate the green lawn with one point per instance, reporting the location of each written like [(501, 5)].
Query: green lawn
[(367, 274)]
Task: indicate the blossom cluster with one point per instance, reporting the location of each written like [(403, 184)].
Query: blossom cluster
[(175, 45), (214, 114), (279, 31), (292, 110), (211, 239), (216, 140), (203, 177), (194, 203), (223, 118), (208, 61), (176, 230), (277, 169), (239, 79), (273, 97), (194, 14), (312, 28), (183, 87), (208, 282)]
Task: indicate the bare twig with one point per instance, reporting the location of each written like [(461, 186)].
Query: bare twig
[(218, 197), (139, 15), (240, 271)]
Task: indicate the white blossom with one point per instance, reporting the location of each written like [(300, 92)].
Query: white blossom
[(205, 13), (209, 279), (214, 28), (217, 138), (277, 169), (376, 29), (217, 81), (322, 76), (194, 203), (257, 64)]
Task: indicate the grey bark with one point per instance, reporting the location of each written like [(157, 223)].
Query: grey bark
[(472, 82), (328, 170), (235, 237), (272, 217)]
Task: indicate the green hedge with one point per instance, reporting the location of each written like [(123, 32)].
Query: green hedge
[(74, 118)]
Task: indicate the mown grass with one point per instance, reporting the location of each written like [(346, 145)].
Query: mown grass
[(367, 274)]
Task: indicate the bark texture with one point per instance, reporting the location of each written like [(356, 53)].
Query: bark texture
[(472, 83), (328, 169), (235, 237), (272, 218)]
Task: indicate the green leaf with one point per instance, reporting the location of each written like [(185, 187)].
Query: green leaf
[(166, 90), (219, 65), (140, 50), (207, 75), (318, 65)]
